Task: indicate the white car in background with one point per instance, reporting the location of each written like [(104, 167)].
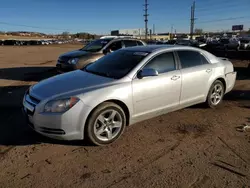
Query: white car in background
[(124, 87)]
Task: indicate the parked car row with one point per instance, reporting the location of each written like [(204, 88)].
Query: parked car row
[(223, 43), (31, 42), (122, 81)]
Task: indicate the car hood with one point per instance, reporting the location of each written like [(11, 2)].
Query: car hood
[(75, 53), (67, 83)]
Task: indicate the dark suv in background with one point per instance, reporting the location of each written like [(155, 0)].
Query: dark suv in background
[(93, 51)]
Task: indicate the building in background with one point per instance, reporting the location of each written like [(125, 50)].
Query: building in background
[(140, 34), (128, 32)]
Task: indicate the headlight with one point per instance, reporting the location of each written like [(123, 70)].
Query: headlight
[(61, 105), (73, 61)]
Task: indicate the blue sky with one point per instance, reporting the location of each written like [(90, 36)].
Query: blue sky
[(102, 16)]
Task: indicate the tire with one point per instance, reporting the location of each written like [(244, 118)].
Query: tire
[(212, 100), (101, 121)]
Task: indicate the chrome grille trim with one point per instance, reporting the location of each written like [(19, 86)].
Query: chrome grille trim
[(30, 100)]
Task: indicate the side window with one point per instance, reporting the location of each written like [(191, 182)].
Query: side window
[(162, 63), (139, 43), (129, 43), (115, 46), (203, 59), (189, 59)]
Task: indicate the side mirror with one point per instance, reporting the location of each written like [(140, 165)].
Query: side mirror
[(147, 72)]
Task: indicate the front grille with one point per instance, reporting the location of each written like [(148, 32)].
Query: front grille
[(30, 112), (34, 99), (31, 101), (61, 61)]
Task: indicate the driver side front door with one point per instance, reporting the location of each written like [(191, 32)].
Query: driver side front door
[(157, 95)]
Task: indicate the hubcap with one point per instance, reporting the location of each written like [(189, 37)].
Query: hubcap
[(217, 94), (108, 125)]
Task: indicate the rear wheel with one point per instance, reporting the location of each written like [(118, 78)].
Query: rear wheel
[(215, 94), (106, 124)]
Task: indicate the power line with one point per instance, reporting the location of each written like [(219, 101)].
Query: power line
[(217, 4), (224, 19), (221, 8), (31, 26)]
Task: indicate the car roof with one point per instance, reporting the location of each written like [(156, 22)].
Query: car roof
[(118, 39), (153, 48)]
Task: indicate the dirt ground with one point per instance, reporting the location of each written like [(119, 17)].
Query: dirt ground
[(193, 147)]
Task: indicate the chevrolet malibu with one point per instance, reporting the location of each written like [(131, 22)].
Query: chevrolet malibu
[(125, 87)]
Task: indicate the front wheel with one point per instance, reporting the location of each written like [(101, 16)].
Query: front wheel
[(106, 124), (215, 94)]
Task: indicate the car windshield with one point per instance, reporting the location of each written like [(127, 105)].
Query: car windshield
[(96, 45), (117, 64)]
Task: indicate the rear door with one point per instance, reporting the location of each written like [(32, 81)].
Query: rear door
[(116, 45), (196, 72), (129, 43)]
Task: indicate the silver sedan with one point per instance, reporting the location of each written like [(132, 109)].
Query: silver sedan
[(125, 87)]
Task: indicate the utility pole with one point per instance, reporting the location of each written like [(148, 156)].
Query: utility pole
[(146, 19), (192, 20), (171, 34), (153, 29)]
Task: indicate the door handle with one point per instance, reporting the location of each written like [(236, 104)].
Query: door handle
[(175, 77), (208, 70)]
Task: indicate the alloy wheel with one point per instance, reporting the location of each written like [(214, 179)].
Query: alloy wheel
[(108, 125)]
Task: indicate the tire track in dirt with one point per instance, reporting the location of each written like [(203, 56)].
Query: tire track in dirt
[(161, 153)]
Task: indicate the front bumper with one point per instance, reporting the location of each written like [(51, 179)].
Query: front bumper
[(65, 67), (62, 126)]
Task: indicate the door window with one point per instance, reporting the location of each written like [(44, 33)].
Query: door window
[(162, 63), (139, 43), (203, 59), (191, 59), (115, 46), (129, 43)]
